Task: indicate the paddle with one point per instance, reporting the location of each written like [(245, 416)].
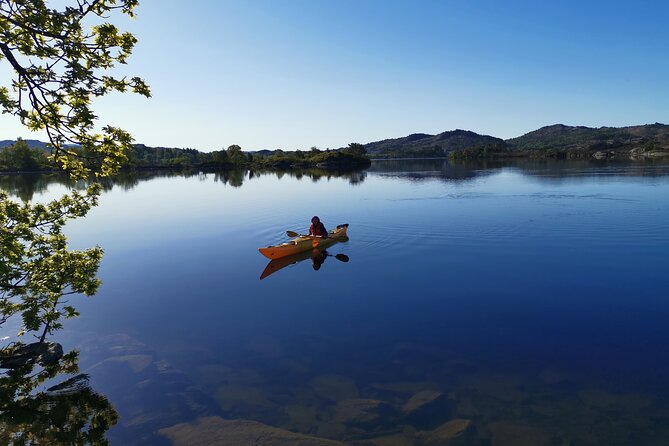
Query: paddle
[(295, 234), (343, 257)]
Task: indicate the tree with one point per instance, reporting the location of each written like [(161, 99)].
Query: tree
[(355, 148), (20, 157), (59, 68), (219, 156), (60, 59), (235, 155)]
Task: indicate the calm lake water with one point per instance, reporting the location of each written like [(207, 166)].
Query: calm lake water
[(525, 305)]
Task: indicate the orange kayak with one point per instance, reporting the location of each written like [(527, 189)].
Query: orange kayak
[(305, 243)]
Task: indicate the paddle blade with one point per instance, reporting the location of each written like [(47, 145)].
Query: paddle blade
[(343, 257), (292, 234)]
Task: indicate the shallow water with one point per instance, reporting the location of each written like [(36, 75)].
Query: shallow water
[(528, 302)]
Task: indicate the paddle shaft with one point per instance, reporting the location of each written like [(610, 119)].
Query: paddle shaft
[(295, 234)]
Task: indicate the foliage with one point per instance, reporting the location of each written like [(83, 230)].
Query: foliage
[(355, 148), (144, 157), (36, 267), (234, 158), (424, 152), (351, 157), (60, 68), (485, 151), (61, 60), (29, 416), (235, 155)]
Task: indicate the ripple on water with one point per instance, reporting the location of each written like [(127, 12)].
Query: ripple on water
[(579, 228)]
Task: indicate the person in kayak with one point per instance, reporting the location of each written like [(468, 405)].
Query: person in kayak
[(317, 228)]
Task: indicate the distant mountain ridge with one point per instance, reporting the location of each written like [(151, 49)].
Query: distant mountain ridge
[(564, 137), (434, 145), (31, 142), (556, 140)]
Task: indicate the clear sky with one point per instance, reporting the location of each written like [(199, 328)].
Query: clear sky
[(293, 74)]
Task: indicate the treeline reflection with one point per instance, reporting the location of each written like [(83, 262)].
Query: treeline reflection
[(547, 170), (25, 186)]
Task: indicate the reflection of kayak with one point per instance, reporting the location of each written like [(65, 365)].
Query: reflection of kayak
[(305, 243), (317, 257), (277, 264)]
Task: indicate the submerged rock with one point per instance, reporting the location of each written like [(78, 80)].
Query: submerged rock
[(133, 363), (420, 400), (42, 353), (50, 353), (119, 344), (447, 432), (427, 409), (218, 431), (364, 412), (148, 391)]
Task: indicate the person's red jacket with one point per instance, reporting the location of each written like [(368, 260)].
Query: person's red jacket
[(319, 229)]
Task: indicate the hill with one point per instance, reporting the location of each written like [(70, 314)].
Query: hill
[(603, 142), (554, 141), (421, 144)]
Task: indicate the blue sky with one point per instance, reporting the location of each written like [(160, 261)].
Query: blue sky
[(299, 73)]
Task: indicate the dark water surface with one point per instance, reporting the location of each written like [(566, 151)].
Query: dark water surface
[(518, 305)]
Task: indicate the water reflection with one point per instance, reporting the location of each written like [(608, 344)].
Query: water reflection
[(317, 256), (486, 305), (549, 170), (69, 412), (25, 186), (421, 169)]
